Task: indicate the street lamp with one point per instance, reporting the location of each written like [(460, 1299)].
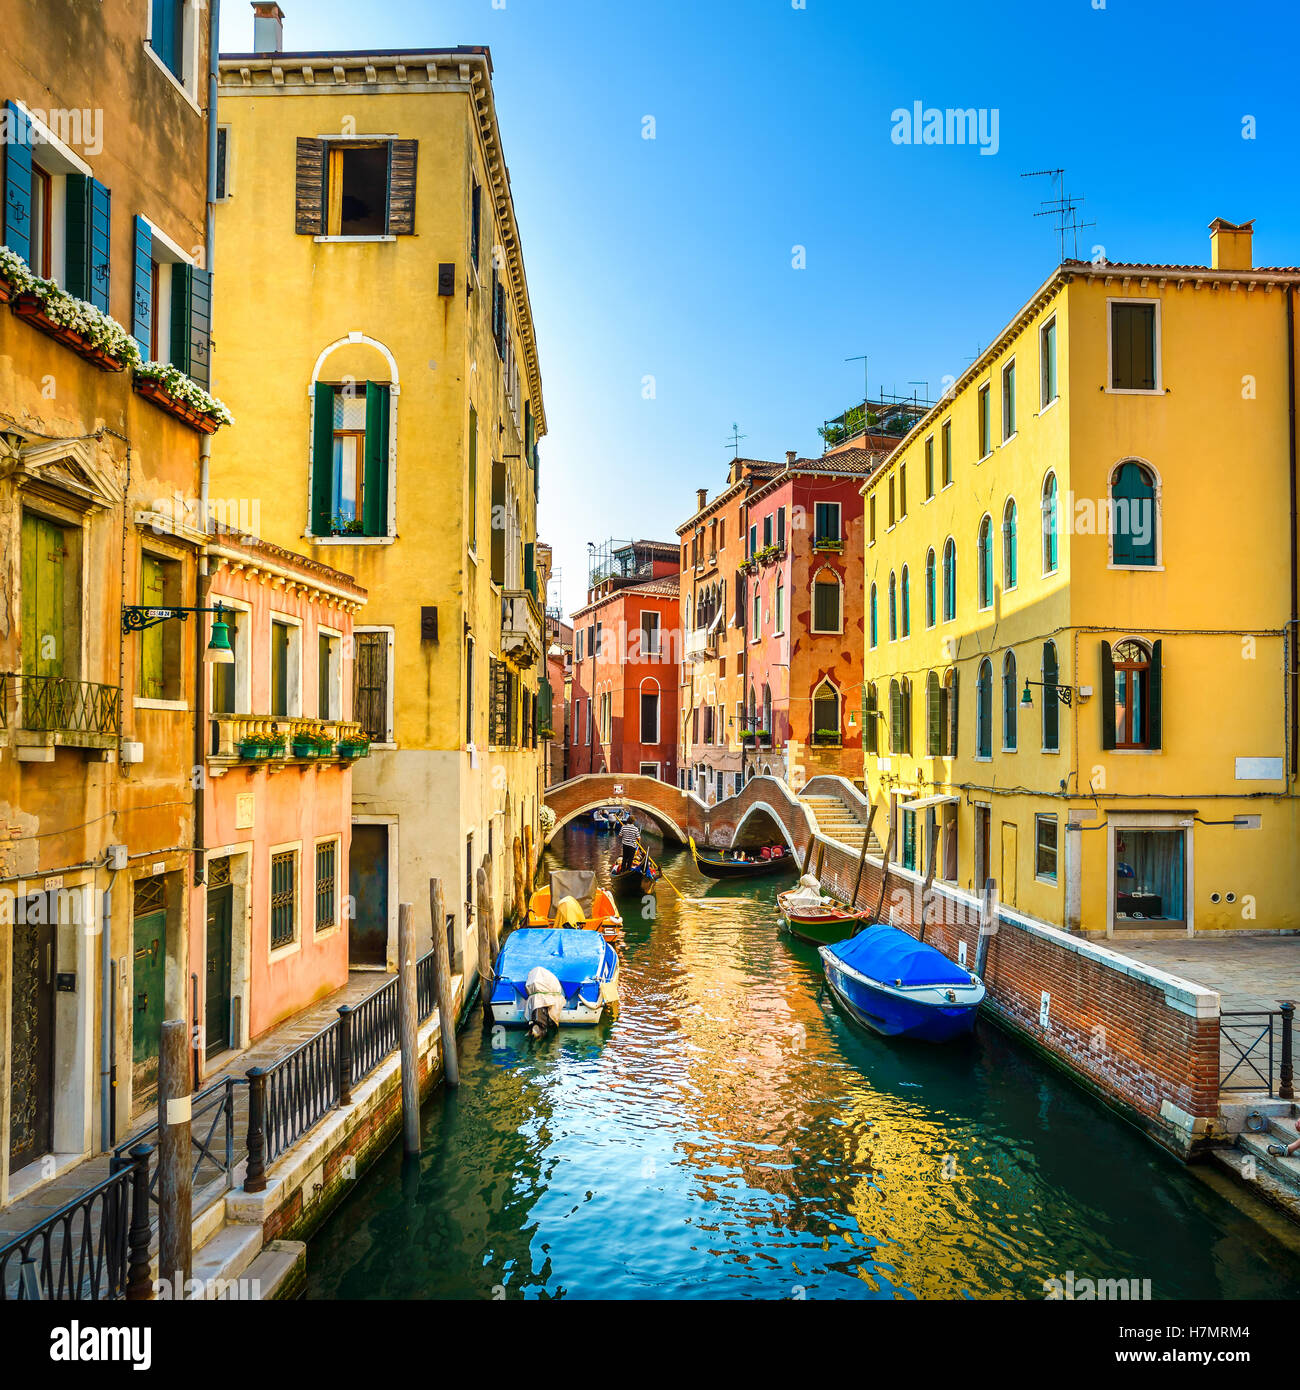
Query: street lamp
[(136, 618), (1064, 693)]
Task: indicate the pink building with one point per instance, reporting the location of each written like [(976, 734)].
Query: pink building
[(270, 933)]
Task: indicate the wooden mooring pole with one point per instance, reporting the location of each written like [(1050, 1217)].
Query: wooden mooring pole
[(884, 873), (862, 858), (487, 955), (175, 1161), (520, 907), (926, 886), (988, 923), (442, 985), (408, 1026)]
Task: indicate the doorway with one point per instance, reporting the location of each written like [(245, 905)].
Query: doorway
[(148, 982), (1007, 888), (31, 1056), (368, 876), (982, 849), (219, 958)]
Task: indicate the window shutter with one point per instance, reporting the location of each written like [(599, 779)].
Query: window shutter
[(1153, 698), (932, 714), (309, 198), (953, 723), (18, 185), (741, 598), (401, 187), (530, 571), (322, 460), (1107, 697), (77, 229), (498, 523), (907, 715), (895, 717), (192, 322), (99, 245), (142, 288), (374, 504)]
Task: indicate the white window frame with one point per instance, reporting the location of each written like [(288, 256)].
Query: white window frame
[(243, 650), (984, 391), (1157, 507), (1055, 875), (1157, 333), (293, 678), (187, 83), (337, 840), (812, 616), (1042, 530), (1009, 435), (657, 628), (640, 725)]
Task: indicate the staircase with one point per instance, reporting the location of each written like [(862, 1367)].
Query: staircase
[(1275, 1178), (839, 821)]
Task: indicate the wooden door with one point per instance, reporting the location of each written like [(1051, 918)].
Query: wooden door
[(368, 879), (31, 1056), (950, 843), (148, 986), (1007, 887), (44, 560), (216, 1001), (982, 848)]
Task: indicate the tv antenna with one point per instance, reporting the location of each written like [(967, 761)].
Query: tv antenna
[(1064, 207), (736, 437)]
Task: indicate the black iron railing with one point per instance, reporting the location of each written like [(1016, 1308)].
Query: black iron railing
[(1255, 1050), (55, 704), (95, 1247), (374, 1030)]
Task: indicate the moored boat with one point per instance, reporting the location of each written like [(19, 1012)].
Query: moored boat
[(715, 864), (812, 916), (896, 985), (582, 964), (571, 899)]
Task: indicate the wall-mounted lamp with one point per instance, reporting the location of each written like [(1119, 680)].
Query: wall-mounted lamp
[(1064, 693), (136, 618)]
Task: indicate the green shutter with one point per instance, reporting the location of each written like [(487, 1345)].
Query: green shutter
[(100, 248), (895, 717), (933, 713), (18, 184), (191, 326), (43, 578), (498, 522), (77, 228), (545, 705), (322, 460), (953, 724), (1154, 698), (142, 288), (153, 594), (1107, 697), (375, 502), (530, 571), (1051, 703)]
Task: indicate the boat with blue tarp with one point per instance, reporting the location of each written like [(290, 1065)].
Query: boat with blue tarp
[(555, 975), (891, 982)]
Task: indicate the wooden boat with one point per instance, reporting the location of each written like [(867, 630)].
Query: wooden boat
[(819, 923), (595, 908), (639, 879), (715, 865), (572, 975), (904, 988)]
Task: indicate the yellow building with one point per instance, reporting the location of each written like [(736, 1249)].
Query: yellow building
[(381, 353), (1080, 582)]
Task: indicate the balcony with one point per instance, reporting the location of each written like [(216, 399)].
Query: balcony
[(521, 627), (42, 713), (701, 644), (275, 742)]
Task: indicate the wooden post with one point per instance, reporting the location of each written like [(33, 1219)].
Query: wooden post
[(442, 985), (884, 873), (487, 956), (988, 923), (530, 869), (494, 937), (520, 907), (175, 1164), (408, 1025), (821, 857), (862, 858), (807, 859), (925, 887), (138, 1283)]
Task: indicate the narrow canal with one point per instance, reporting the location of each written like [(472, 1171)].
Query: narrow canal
[(733, 1135)]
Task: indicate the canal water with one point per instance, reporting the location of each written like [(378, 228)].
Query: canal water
[(733, 1135)]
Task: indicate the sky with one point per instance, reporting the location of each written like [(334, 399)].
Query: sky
[(723, 271)]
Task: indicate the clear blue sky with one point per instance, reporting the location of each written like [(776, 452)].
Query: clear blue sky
[(672, 257)]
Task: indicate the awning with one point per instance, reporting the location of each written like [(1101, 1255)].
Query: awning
[(716, 623), (924, 803)]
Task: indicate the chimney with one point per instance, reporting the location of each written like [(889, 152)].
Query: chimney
[(1230, 244), (701, 497), (790, 456), (268, 27)]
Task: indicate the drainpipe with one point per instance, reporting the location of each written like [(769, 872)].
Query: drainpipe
[(1294, 661)]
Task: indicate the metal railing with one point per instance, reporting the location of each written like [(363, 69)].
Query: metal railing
[(374, 1029), (1255, 1050), (94, 1247), (55, 704)]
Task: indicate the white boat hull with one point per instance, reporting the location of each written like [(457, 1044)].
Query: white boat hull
[(577, 1013)]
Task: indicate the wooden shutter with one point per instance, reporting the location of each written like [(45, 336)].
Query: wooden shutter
[(374, 503), (870, 723), (1154, 698), (401, 187), (741, 598), (906, 686), (77, 231), (100, 245), (530, 570), (322, 460), (953, 724), (498, 523), (142, 288), (153, 594), (18, 184), (1051, 702), (192, 322), (1107, 697), (895, 717), (370, 684), (932, 715), (309, 195)]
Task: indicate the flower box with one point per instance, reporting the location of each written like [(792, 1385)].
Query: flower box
[(311, 748), (6, 291), (31, 307), (251, 751), (828, 543), (350, 750), (159, 395)]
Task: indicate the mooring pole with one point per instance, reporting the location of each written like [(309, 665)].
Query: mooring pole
[(925, 887), (988, 923), (487, 958), (862, 858), (408, 1026), (175, 1173), (884, 872), (494, 936), (519, 905), (442, 985)]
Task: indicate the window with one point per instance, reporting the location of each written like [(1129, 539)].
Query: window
[(936, 710), (577, 649), (758, 617), (1050, 556), (985, 424), (469, 690), (286, 668), (780, 607), (893, 608), (471, 483), (370, 684), (350, 460), (1045, 848), (1009, 564), (329, 688), (950, 710), (649, 712), (945, 451), (780, 527), (870, 720), (753, 541), (984, 563), (930, 589), (358, 190), (160, 646), (984, 710), (900, 716), (1051, 702), (589, 725), (826, 523), (42, 261), (905, 605), (1047, 363), (1133, 516), (284, 898), (1133, 365), (475, 220), (355, 188), (902, 489), (767, 530), (1008, 400), (223, 163), (326, 885), (1010, 703), (649, 635), (949, 580), (893, 510), (1131, 695), (826, 714), (52, 599), (826, 602), (230, 678), (871, 518), (929, 467), (167, 35), (875, 616)]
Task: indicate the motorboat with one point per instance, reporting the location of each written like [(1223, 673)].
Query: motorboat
[(572, 899), (554, 976), (890, 982)]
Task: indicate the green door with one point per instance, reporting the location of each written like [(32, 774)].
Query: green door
[(148, 984), (216, 1007), (44, 573), (909, 840)]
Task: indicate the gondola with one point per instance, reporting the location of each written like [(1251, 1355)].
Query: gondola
[(639, 879), (715, 866), (820, 923)]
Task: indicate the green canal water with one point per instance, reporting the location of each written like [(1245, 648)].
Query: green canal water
[(732, 1135)]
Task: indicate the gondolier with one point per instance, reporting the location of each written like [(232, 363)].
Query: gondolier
[(630, 838)]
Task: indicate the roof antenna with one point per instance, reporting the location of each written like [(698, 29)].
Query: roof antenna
[(736, 437), (1064, 207)]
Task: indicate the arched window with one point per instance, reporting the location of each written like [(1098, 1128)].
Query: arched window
[(649, 710), (1010, 564), (984, 710), (875, 616), (826, 601), (870, 720), (949, 580), (930, 583), (1133, 517), (826, 714), (905, 599), (934, 722), (893, 608), (766, 726), (1010, 703), (1051, 704), (900, 715), (984, 561), (1131, 695), (1049, 524)]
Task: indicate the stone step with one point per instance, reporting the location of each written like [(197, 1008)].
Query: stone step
[(1286, 1170), (225, 1257), (279, 1271)]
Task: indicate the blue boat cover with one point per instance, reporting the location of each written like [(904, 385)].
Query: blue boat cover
[(571, 954), (889, 955)]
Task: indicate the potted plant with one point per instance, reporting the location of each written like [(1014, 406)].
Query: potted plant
[(312, 741), (88, 331), (346, 526), (826, 737), (354, 746), (171, 390), (255, 746)]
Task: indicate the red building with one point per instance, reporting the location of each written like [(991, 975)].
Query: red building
[(626, 649)]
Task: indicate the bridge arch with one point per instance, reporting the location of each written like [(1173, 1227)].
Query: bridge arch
[(762, 819)]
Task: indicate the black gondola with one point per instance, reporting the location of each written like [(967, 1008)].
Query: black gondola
[(639, 879), (715, 866)]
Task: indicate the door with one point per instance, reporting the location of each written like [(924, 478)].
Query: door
[(216, 1001), (368, 873), (982, 859), (148, 986), (44, 558), (950, 843), (1007, 888), (31, 1119), (909, 840)]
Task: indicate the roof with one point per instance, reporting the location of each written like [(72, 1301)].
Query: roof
[(666, 587), (852, 463), (758, 468)]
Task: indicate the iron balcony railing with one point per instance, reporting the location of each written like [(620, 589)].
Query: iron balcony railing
[(56, 704), (1255, 1050)]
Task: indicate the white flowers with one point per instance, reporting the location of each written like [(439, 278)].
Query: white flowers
[(177, 384)]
